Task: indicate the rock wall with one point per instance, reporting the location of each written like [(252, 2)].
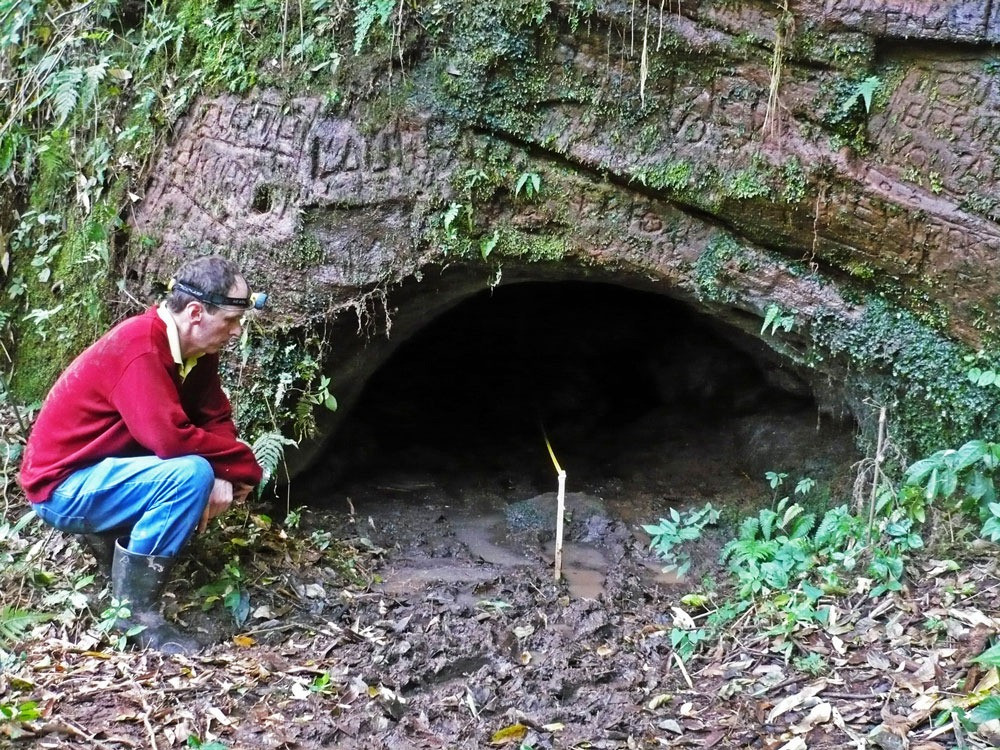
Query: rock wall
[(837, 160)]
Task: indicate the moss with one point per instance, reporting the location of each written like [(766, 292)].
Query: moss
[(537, 248), (914, 370), (672, 176), (897, 357), (794, 181), (711, 267), (748, 183)]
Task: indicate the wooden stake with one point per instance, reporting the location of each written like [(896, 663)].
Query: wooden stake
[(560, 506), (560, 511)]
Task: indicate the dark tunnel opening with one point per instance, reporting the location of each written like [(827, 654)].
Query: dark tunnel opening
[(629, 386)]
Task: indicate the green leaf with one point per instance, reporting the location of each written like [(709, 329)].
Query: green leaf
[(14, 622), (269, 450), (366, 11), (991, 529), (65, 92), (987, 710), (487, 246), (451, 214), (969, 454), (949, 483), (919, 471), (990, 657), (932, 486), (864, 90)]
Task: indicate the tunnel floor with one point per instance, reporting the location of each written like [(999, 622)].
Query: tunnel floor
[(646, 405)]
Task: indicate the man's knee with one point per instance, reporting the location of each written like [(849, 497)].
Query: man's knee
[(194, 473)]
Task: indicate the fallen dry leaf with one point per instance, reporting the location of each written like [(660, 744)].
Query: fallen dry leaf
[(793, 701)]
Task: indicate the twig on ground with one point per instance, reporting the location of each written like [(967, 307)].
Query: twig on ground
[(684, 672)]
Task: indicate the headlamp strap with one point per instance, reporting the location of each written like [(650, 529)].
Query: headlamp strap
[(211, 298)]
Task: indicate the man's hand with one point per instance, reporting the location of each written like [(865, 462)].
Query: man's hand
[(218, 502), (241, 492)]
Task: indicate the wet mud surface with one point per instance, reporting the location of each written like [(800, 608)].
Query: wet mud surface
[(450, 630), (466, 634)]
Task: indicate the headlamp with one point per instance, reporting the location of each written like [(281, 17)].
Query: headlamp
[(254, 301)]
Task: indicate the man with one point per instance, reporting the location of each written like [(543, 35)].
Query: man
[(135, 445)]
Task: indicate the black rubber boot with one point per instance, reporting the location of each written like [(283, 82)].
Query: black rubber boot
[(102, 547), (137, 581)]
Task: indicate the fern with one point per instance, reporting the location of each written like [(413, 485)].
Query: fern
[(94, 74), (65, 90), (745, 551), (269, 450), (367, 11), (832, 527), (14, 622), (748, 529), (767, 519), (802, 526)]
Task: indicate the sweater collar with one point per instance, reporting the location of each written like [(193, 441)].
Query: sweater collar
[(174, 339)]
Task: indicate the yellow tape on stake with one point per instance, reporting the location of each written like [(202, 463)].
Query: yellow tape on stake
[(552, 453), (560, 506)]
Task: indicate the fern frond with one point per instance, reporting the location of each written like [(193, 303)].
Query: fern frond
[(767, 520), (14, 622), (802, 526), (366, 12), (749, 529), (830, 526), (94, 75), (269, 449), (65, 90)]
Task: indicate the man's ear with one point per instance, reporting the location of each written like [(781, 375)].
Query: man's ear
[(194, 311)]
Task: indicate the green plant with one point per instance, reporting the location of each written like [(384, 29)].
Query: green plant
[(861, 91), (14, 622), (488, 244), (18, 713), (269, 450), (674, 176), (812, 664), (852, 102), (773, 549), (530, 182), (194, 742), (668, 535), (965, 474), (229, 590), (775, 318), (685, 641), (117, 610), (323, 685), (983, 372), (367, 11)]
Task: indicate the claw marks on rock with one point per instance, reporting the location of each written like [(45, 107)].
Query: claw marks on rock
[(207, 187)]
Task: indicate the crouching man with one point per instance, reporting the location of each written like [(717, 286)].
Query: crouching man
[(135, 447)]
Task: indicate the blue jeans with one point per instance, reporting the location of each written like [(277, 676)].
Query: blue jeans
[(155, 502)]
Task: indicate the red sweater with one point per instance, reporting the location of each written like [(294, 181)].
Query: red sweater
[(123, 397)]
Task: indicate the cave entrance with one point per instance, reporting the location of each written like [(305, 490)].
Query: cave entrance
[(648, 404), (644, 400)]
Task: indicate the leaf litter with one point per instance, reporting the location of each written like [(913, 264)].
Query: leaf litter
[(502, 656)]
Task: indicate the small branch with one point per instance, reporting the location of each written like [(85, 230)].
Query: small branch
[(684, 672)]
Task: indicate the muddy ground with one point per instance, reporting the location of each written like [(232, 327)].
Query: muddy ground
[(419, 610)]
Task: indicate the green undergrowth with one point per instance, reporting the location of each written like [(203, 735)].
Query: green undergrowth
[(892, 356)]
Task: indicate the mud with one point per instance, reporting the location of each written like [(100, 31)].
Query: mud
[(466, 633), (432, 618)]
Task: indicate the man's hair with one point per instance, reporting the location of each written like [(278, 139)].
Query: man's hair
[(211, 274)]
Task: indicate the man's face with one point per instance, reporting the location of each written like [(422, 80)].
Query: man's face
[(216, 329)]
